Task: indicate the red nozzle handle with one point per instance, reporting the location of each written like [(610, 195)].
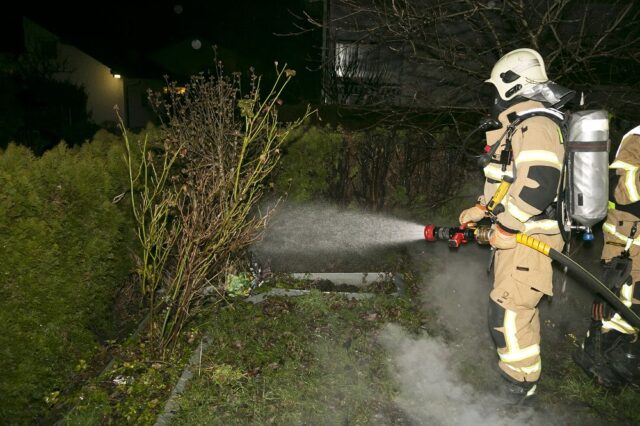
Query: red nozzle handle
[(457, 240)]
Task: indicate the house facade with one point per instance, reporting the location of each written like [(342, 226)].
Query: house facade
[(365, 67), (107, 86)]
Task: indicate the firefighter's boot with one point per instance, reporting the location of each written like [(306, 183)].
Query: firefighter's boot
[(521, 393), (611, 358), (623, 355)]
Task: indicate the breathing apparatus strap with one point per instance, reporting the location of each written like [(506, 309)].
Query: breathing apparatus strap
[(515, 118), (485, 159), (506, 157)]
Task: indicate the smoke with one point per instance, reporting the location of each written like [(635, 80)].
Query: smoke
[(431, 391), (451, 383), (455, 284)]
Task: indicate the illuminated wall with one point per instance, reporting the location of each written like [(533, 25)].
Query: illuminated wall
[(103, 90)]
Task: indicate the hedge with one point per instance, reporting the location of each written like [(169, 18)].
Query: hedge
[(65, 250)]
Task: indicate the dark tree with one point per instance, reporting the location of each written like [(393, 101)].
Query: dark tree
[(438, 52)]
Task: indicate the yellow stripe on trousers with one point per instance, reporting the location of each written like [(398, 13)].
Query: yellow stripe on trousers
[(514, 353), (526, 370)]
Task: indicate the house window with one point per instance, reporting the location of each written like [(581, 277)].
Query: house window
[(363, 73), (356, 60), (366, 62), (345, 53)]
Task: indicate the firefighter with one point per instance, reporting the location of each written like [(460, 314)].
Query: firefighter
[(531, 157), (610, 352)]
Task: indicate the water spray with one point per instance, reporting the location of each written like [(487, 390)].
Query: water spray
[(460, 235)]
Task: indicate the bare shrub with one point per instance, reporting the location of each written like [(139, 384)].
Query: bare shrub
[(380, 168), (195, 189)]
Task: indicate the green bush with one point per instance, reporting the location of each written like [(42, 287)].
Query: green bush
[(65, 252), (311, 161)]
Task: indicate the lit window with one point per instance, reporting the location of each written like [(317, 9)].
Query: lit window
[(178, 90), (346, 55), (357, 60)]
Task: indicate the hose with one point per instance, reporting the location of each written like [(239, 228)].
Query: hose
[(584, 276)]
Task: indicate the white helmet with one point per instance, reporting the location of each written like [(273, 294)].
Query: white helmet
[(516, 72)]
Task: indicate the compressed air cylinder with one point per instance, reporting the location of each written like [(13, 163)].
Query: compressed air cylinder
[(587, 153)]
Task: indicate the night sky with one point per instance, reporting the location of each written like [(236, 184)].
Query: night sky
[(123, 34)]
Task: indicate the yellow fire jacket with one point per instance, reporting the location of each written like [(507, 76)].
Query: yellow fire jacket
[(626, 165), (624, 196), (536, 164), (624, 213)]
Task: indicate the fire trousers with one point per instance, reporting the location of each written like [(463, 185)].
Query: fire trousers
[(617, 229), (521, 277)]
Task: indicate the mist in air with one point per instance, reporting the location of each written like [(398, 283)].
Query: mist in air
[(318, 236), (328, 228)]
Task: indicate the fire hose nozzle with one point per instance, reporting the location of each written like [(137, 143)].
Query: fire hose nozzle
[(482, 234), (429, 232), (458, 235), (455, 236)]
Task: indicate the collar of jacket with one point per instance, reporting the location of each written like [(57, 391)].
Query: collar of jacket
[(494, 135)]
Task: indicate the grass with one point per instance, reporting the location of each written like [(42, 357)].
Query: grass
[(132, 391), (313, 359), (566, 383), (316, 359)]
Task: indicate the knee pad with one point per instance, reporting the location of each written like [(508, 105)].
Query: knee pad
[(496, 319)]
